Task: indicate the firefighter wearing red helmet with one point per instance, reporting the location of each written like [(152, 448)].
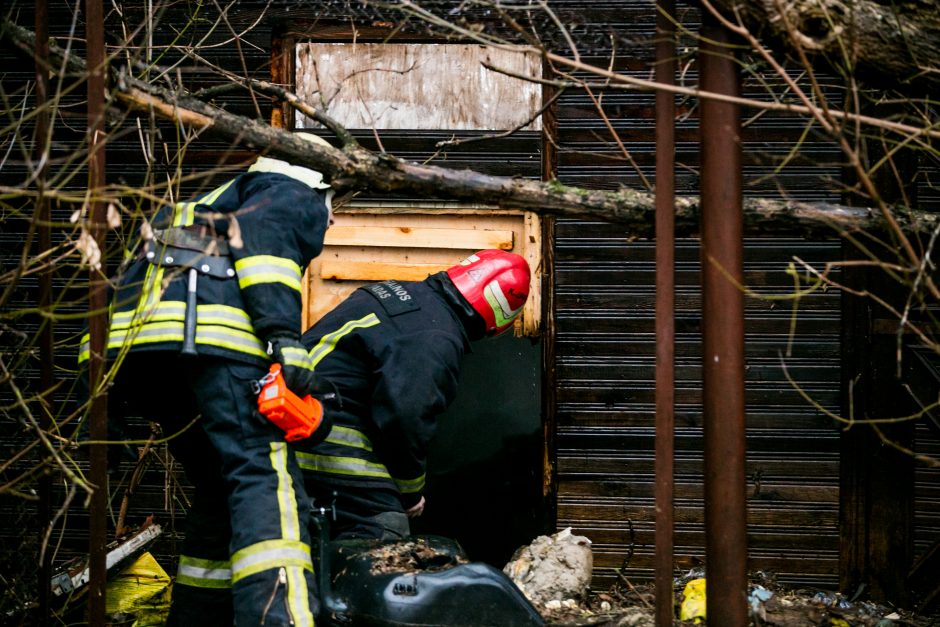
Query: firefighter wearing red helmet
[(496, 284), (393, 352)]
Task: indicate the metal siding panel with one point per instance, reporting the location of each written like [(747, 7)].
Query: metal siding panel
[(605, 372)]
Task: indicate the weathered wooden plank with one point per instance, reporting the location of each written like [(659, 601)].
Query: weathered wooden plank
[(418, 237), (375, 271)]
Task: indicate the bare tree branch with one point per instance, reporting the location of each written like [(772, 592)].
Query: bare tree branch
[(892, 43), (355, 168)]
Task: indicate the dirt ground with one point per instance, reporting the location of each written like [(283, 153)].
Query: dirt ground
[(628, 605)]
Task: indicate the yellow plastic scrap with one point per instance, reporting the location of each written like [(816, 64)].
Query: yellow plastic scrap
[(693, 601), (142, 591), (839, 622)]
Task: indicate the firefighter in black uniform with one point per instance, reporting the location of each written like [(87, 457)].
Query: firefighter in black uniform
[(393, 352), (212, 298)]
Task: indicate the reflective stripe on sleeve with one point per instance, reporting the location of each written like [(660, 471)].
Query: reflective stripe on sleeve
[(348, 437), (328, 342), (261, 269), (268, 554), (410, 486), (296, 357), (201, 573)]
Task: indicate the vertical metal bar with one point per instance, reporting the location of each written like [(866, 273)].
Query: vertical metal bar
[(549, 373), (723, 333), (97, 323), (46, 354), (665, 72)]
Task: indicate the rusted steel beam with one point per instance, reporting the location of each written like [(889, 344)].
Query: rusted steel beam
[(97, 323), (722, 333), (665, 72)]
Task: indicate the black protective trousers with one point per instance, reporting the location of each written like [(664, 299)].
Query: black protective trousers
[(246, 556)]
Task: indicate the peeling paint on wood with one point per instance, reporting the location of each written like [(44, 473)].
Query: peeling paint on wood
[(419, 86)]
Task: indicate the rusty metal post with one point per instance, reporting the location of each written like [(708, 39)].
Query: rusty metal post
[(665, 72), (46, 338), (97, 323), (722, 333)]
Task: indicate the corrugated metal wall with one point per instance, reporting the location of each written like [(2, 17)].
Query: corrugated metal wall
[(604, 366), (605, 349)]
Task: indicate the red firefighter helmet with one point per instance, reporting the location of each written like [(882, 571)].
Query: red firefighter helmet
[(496, 284)]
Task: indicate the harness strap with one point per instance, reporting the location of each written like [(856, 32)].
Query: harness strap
[(164, 255)]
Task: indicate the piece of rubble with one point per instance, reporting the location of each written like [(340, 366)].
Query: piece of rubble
[(556, 567)]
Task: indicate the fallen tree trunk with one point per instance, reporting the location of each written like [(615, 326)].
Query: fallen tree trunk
[(890, 45), (355, 168)]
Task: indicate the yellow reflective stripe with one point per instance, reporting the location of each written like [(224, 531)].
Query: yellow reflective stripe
[(84, 348), (214, 196), (148, 308), (224, 315), (348, 437), (328, 342), (267, 269), (172, 331), (147, 333), (184, 213), (268, 554), (149, 298), (232, 339), (332, 464), (176, 310), (162, 311), (195, 582), (286, 497), (202, 573), (410, 486), (297, 357), (297, 597)]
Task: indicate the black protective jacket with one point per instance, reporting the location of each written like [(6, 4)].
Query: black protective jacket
[(393, 352), (273, 225)]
